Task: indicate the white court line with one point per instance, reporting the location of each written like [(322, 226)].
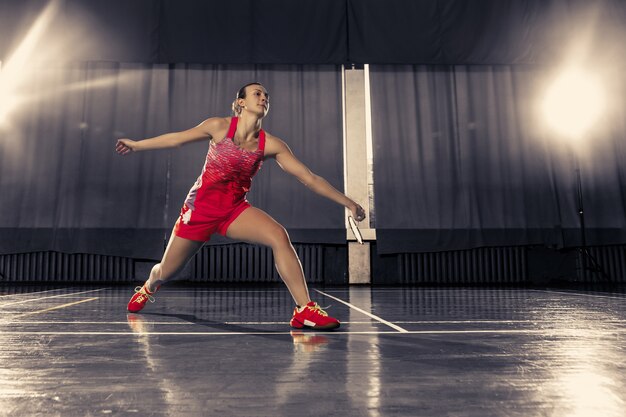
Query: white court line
[(274, 333), (611, 297), (283, 322), (20, 322), (51, 296), (30, 293), (329, 333), (270, 323), (393, 326), (239, 291), (175, 323), (58, 307)]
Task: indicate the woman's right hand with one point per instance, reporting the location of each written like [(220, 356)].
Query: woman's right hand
[(357, 212), (125, 146)]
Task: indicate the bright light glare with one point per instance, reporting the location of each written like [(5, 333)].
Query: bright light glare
[(573, 103), (8, 102), (15, 71), (23, 75)]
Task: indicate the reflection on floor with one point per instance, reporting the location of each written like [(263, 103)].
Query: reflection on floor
[(228, 351)]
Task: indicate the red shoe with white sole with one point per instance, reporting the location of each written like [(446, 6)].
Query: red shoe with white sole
[(313, 317), (139, 300)]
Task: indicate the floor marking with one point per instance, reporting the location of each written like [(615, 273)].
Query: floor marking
[(58, 307), (275, 323), (393, 326), (270, 323), (29, 293), (108, 322), (478, 321), (585, 333), (175, 323), (51, 296), (582, 294), (242, 290), (283, 322)]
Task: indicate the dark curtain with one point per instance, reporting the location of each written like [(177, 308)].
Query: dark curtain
[(191, 31), (483, 31), (321, 31), (462, 159), (250, 31), (63, 188)]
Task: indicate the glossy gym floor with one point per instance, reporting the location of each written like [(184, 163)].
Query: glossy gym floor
[(228, 351)]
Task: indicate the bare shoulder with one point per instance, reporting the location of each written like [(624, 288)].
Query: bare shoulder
[(216, 127), (274, 145)]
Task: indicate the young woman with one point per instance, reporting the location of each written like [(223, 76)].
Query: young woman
[(217, 201)]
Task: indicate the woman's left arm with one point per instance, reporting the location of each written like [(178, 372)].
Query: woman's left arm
[(279, 150)]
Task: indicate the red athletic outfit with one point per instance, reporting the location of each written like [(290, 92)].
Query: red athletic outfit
[(219, 194), (214, 202)]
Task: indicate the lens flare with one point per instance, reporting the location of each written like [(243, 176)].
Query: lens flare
[(26, 77), (16, 70), (574, 102)]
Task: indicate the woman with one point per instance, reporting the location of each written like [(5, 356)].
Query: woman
[(217, 201)]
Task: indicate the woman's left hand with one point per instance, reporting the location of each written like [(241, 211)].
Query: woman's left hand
[(357, 212), (125, 146)]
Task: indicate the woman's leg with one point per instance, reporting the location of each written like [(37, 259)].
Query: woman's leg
[(256, 226), (178, 252), (176, 256)]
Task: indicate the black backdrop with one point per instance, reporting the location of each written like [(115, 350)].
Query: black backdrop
[(323, 31)]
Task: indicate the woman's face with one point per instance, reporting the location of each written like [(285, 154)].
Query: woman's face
[(257, 100)]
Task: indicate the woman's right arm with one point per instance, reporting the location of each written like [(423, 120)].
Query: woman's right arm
[(204, 131)]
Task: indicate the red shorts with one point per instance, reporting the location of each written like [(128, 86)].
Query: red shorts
[(200, 226)]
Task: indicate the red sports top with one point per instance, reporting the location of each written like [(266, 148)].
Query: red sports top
[(227, 174)]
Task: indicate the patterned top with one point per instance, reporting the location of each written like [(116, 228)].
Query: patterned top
[(227, 174)]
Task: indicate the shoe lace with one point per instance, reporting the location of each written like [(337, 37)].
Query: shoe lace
[(317, 309), (148, 296)]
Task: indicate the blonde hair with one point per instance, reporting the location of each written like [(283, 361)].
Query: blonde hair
[(236, 108)]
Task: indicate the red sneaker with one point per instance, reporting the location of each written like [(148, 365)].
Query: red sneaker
[(313, 317), (139, 300)]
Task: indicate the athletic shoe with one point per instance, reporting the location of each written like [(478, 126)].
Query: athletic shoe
[(313, 317), (139, 300)]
